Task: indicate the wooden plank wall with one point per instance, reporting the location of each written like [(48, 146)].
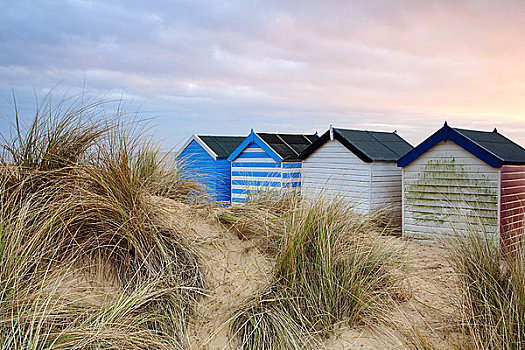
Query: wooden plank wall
[(512, 204), (200, 165), (223, 180), (448, 190), (385, 190), (291, 174), (386, 185), (333, 171), (252, 171)]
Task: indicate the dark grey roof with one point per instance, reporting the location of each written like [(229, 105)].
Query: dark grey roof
[(509, 151), (288, 146), (377, 145), (223, 146), (369, 146)]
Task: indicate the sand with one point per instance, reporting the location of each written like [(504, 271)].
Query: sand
[(235, 270)]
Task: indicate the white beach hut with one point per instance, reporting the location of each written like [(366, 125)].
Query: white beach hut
[(356, 165), (459, 180)]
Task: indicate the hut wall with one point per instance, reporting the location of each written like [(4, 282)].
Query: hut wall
[(385, 189), (252, 171), (223, 179), (448, 190), (512, 203), (291, 174), (200, 165), (334, 171)]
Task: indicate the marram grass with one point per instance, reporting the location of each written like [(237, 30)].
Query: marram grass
[(492, 284), (332, 266), (78, 195), (262, 219), (491, 295)]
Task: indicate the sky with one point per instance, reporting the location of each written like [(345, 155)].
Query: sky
[(290, 66)]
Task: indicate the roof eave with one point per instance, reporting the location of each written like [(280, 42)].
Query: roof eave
[(253, 137), (513, 163), (448, 133), (201, 143), (315, 145), (342, 140)]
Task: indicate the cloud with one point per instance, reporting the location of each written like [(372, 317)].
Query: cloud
[(228, 66)]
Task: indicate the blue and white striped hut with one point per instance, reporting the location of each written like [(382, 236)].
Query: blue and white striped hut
[(267, 161), (206, 158)]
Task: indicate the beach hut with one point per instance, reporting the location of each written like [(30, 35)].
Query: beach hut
[(356, 165), (206, 158), (458, 180), (267, 161)]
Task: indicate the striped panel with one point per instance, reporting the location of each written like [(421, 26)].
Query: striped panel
[(292, 175), (245, 173), (512, 215), (252, 171), (292, 165), (260, 183), (255, 165)]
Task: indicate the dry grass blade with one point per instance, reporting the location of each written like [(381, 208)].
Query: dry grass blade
[(493, 291), (77, 193), (262, 219), (332, 265)]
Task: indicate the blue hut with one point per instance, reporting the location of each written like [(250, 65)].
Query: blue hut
[(206, 158), (267, 161)]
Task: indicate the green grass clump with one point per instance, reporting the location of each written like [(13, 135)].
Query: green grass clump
[(333, 265), (492, 285)]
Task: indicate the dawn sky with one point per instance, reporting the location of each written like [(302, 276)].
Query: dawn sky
[(224, 67)]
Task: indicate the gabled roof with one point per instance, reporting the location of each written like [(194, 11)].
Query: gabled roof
[(369, 146), (288, 146), (215, 146), (491, 147), (281, 147), (223, 146)]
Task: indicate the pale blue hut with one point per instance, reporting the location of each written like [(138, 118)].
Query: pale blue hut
[(205, 157), (267, 161)]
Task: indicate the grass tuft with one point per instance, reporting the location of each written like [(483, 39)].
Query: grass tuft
[(493, 289), (333, 265), (80, 199), (262, 219)]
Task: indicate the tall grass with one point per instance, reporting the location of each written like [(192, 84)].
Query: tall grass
[(333, 265), (114, 199), (58, 135), (81, 197), (493, 292)]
